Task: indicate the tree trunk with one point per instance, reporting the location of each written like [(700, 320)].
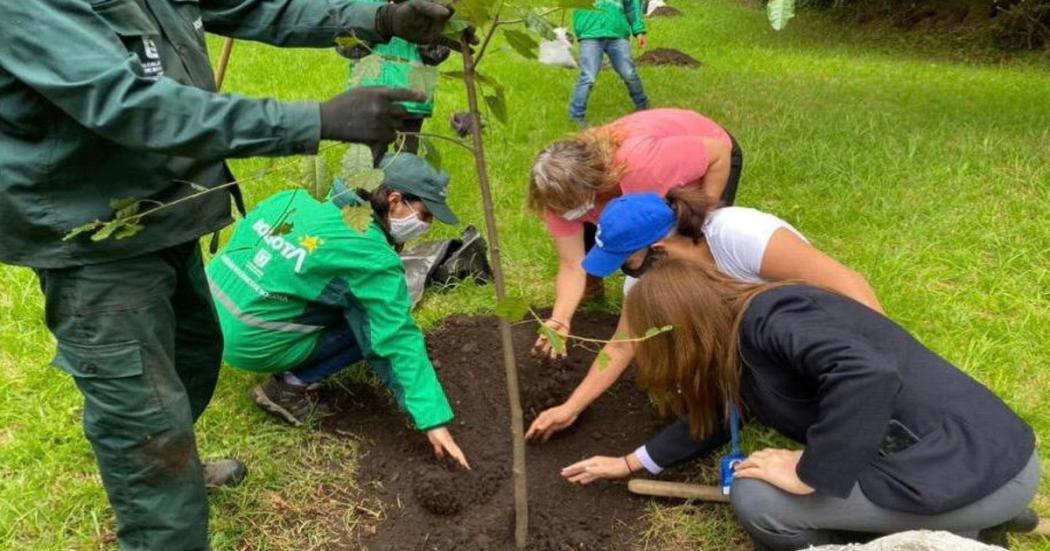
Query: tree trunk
[(521, 502)]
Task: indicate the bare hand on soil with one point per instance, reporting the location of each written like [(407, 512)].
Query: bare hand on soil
[(444, 444)]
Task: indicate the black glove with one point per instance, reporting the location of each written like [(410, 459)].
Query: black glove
[(368, 115), (417, 21), (463, 123), (433, 54)]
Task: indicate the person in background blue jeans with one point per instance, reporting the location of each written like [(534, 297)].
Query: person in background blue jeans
[(606, 29)]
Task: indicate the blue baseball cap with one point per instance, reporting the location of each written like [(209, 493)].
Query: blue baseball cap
[(628, 225)]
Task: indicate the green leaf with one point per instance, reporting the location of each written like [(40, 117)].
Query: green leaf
[(107, 230), (512, 309), (82, 229), (129, 229), (366, 69), (522, 43), (477, 12), (498, 105), (577, 4), (459, 75), (349, 41), (315, 176), (537, 24), (654, 331), (430, 152), (423, 79), (603, 359), (357, 170), (486, 81), (284, 228), (455, 26), (358, 217), (780, 12), (556, 340), (126, 207)]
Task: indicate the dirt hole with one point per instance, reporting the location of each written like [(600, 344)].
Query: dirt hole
[(427, 505)]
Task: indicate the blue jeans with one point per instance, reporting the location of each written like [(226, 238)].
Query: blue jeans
[(619, 52), (336, 350)]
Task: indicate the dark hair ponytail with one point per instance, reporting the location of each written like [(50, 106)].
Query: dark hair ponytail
[(691, 206)]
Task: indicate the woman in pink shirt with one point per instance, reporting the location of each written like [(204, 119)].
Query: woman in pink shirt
[(648, 151)]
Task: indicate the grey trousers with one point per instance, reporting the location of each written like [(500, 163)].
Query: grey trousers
[(778, 520)]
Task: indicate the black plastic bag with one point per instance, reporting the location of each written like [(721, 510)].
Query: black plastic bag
[(444, 263)]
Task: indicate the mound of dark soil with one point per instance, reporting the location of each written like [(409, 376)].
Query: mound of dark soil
[(666, 11), (428, 505), (667, 56)]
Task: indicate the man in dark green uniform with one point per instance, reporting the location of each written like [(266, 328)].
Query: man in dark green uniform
[(108, 99)]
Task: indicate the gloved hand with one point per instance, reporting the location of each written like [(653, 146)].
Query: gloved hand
[(417, 21), (433, 54), (368, 115)]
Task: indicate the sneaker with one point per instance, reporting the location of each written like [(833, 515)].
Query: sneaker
[(582, 124), (1027, 521), (224, 472), (292, 404)]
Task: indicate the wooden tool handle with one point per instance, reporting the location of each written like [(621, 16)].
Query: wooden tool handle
[(676, 489)]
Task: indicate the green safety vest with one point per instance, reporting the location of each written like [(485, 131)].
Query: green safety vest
[(609, 19), (111, 99), (276, 292)]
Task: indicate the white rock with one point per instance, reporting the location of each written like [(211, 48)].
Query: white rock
[(916, 540)]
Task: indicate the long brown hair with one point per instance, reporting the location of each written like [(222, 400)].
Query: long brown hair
[(694, 370), (691, 205), (568, 173)]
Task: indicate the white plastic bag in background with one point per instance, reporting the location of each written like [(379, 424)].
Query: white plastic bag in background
[(653, 5), (557, 52)]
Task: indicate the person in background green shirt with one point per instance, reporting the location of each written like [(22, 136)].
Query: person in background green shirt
[(307, 303), (105, 100), (605, 30), (391, 64)]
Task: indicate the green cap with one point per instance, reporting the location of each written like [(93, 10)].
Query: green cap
[(409, 173)]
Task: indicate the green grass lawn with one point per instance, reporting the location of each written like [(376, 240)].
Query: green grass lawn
[(928, 173)]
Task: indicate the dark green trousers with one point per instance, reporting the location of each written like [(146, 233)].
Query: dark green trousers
[(141, 339)]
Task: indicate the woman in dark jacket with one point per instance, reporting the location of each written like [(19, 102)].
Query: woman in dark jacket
[(895, 438)]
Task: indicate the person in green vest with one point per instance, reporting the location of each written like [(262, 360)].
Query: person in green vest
[(105, 100), (308, 302), (391, 64), (606, 30)]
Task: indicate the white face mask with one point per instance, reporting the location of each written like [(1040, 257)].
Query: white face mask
[(579, 212), (408, 228)]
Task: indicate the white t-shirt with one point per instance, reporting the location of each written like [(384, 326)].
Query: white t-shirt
[(737, 237)]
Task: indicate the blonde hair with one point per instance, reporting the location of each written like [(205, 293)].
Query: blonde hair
[(694, 370), (569, 173)]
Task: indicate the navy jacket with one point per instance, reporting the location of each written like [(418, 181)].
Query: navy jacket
[(831, 373)]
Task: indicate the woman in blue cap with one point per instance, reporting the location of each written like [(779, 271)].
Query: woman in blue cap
[(891, 436), (745, 244)]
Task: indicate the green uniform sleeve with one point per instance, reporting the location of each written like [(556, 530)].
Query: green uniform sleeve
[(69, 55), (380, 310), (635, 17), (304, 23)]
